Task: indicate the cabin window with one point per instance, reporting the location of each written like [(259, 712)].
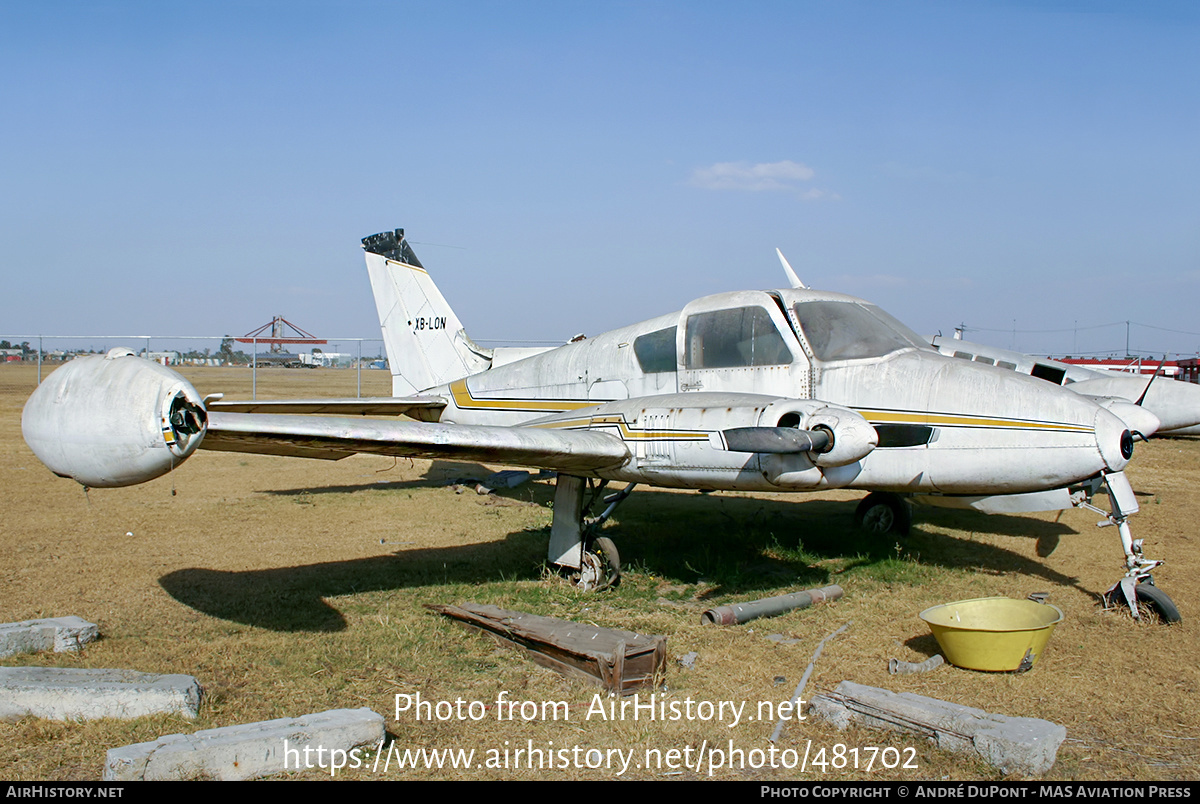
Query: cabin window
[(655, 351), (964, 355), (982, 359), (1006, 365), (744, 336)]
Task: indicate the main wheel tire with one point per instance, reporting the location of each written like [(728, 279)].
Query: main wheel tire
[(881, 513), (1158, 602), (590, 575), (601, 567), (607, 550)]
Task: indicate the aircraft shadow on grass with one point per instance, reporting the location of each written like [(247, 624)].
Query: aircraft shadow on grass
[(736, 545)]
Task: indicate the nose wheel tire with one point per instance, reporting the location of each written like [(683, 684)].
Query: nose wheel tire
[(1152, 603), (882, 513)]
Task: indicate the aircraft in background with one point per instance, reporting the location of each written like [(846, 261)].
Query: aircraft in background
[(779, 390), (1176, 404)]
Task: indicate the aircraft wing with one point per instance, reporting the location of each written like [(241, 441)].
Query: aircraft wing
[(361, 406), (336, 437)]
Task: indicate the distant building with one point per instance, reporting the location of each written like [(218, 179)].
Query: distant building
[(284, 359), (329, 359), (165, 358), (1126, 365)]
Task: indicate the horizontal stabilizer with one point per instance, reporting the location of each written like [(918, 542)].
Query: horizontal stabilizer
[(359, 406), (333, 438)]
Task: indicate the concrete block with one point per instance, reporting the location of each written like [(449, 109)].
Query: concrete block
[(1021, 745), (53, 633), (251, 750), (73, 694)]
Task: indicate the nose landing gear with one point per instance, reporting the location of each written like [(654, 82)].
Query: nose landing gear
[(1136, 590)]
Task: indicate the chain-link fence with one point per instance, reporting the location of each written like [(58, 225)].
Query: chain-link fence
[(50, 351)]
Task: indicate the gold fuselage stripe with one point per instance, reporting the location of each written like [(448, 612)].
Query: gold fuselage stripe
[(965, 420), (627, 433), (464, 399)]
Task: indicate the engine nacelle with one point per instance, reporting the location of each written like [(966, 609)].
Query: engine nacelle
[(736, 441), (115, 420), (836, 466), (853, 436)]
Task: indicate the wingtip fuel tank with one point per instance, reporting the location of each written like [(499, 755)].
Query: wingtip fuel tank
[(113, 420)]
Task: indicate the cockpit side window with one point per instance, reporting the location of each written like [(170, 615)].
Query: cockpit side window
[(847, 330), (743, 336), (655, 351)]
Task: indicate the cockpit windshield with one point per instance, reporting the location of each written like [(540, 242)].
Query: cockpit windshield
[(839, 330)]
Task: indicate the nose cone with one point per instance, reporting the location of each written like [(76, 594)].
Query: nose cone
[(1114, 440)]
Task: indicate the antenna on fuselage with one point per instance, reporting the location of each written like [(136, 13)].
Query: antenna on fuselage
[(795, 280)]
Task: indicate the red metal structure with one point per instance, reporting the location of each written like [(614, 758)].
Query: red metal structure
[(279, 335)]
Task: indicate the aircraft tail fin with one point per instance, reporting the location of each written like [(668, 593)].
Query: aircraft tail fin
[(426, 343)]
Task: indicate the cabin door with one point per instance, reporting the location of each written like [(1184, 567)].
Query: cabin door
[(741, 343)]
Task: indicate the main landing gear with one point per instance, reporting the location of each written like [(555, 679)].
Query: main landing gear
[(882, 513), (1136, 590), (590, 561)]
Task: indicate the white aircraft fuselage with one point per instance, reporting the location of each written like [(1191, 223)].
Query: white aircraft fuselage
[(665, 385)]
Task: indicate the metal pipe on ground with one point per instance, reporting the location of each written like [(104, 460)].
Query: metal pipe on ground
[(899, 668), (770, 606)]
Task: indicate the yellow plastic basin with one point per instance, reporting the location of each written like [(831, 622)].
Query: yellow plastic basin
[(992, 633)]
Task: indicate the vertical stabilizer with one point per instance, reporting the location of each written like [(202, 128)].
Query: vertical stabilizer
[(426, 344)]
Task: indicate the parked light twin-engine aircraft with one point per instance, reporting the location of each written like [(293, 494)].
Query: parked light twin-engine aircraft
[(782, 390)]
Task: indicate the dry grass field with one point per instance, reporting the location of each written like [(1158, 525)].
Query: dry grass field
[(289, 586)]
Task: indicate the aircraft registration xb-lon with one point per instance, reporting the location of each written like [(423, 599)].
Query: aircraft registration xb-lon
[(781, 390)]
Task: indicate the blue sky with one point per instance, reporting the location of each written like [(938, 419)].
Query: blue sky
[(570, 167)]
